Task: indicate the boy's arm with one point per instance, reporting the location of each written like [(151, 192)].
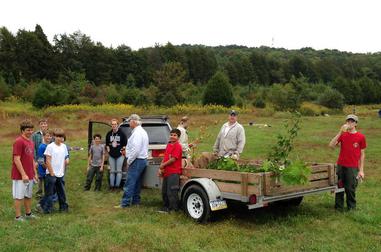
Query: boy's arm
[(49, 165), (103, 161), (20, 168), (361, 164), (168, 162), (89, 161), (333, 143)]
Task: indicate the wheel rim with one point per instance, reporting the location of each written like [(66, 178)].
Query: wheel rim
[(195, 206)]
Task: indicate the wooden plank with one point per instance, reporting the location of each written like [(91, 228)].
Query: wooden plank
[(213, 174), (319, 176), (244, 184), (228, 187), (289, 189), (331, 174), (319, 168), (254, 190), (254, 178)]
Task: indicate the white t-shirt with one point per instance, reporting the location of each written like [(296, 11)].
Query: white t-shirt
[(58, 154)]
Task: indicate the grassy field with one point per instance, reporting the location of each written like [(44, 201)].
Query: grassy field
[(93, 225)]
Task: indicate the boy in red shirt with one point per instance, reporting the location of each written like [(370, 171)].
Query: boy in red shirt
[(350, 164), (170, 169), (23, 171)]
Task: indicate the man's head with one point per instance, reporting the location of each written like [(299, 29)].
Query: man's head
[(351, 121), (184, 122), (26, 128), (134, 120), (97, 138), (59, 135), (114, 125), (43, 123), (174, 135), (233, 116), (47, 136)]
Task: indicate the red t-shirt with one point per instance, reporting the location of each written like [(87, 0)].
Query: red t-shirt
[(25, 149), (173, 150), (351, 145)]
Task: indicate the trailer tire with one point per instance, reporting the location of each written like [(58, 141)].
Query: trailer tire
[(196, 204)]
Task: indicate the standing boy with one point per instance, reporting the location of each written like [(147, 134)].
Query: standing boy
[(350, 164), (41, 160), (37, 140), (23, 171), (95, 164), (170, 169), (56, 161)]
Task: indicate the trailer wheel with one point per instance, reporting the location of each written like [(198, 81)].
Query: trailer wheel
[(196, 203)]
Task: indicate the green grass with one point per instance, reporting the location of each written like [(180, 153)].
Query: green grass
[(93, 225)]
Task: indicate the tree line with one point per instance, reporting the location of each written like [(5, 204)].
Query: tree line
[(75, 69)]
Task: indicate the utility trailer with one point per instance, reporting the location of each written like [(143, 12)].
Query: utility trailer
[(206, 190)]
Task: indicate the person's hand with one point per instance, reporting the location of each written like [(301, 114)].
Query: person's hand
[(360, 175), (101, 169), (25, 178), (161, 167), (88, 168), (159, 173), (36, 178), (344, 128)]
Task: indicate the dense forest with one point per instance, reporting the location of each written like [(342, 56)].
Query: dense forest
[(75, 69)]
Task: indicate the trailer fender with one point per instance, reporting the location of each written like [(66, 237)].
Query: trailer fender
[(207, 184)]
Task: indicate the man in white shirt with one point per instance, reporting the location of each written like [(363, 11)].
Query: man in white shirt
[(56, 161), (136, 154), (231, 139)]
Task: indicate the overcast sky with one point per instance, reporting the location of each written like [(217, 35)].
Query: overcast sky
[(346, 25)]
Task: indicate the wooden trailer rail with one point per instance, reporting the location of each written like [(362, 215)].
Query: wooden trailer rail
[(264, 183), (242, 183)]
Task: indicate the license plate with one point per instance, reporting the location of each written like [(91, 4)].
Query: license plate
[(218, 205)]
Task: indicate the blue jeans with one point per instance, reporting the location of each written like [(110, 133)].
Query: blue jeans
[(131, 195), (54, 184), (116, 165)]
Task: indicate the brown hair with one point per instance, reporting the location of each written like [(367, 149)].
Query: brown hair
[(43, 120), (45, 132), (184, 119), (26, 124), (59, 132)]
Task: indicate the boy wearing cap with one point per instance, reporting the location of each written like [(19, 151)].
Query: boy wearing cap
[(350, 164), (231, 138)]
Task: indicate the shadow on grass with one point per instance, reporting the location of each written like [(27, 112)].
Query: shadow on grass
[(272, 214)]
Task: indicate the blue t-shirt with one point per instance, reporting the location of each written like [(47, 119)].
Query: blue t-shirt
[(41, 159)]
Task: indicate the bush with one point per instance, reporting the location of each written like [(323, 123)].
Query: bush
[(331, 98), (219, 91), (44, 95), (284, 97), (311, 109), (4, 89), (259, 103)]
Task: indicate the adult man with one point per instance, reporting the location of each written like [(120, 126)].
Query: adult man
[(136, 153), (115, 141), (350, 164), (23, 171), (231, 138)]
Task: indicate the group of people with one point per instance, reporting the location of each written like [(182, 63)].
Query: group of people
[(53, 157), (32, 149)]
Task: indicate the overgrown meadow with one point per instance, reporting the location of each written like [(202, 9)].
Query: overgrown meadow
[(92, 223)]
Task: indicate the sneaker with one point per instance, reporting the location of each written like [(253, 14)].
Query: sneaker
[(31, 216), (164, 210), (20, 219)]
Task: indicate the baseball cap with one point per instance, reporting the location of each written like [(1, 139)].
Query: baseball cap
[(353, 117), (134, 117), (233, 112)]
